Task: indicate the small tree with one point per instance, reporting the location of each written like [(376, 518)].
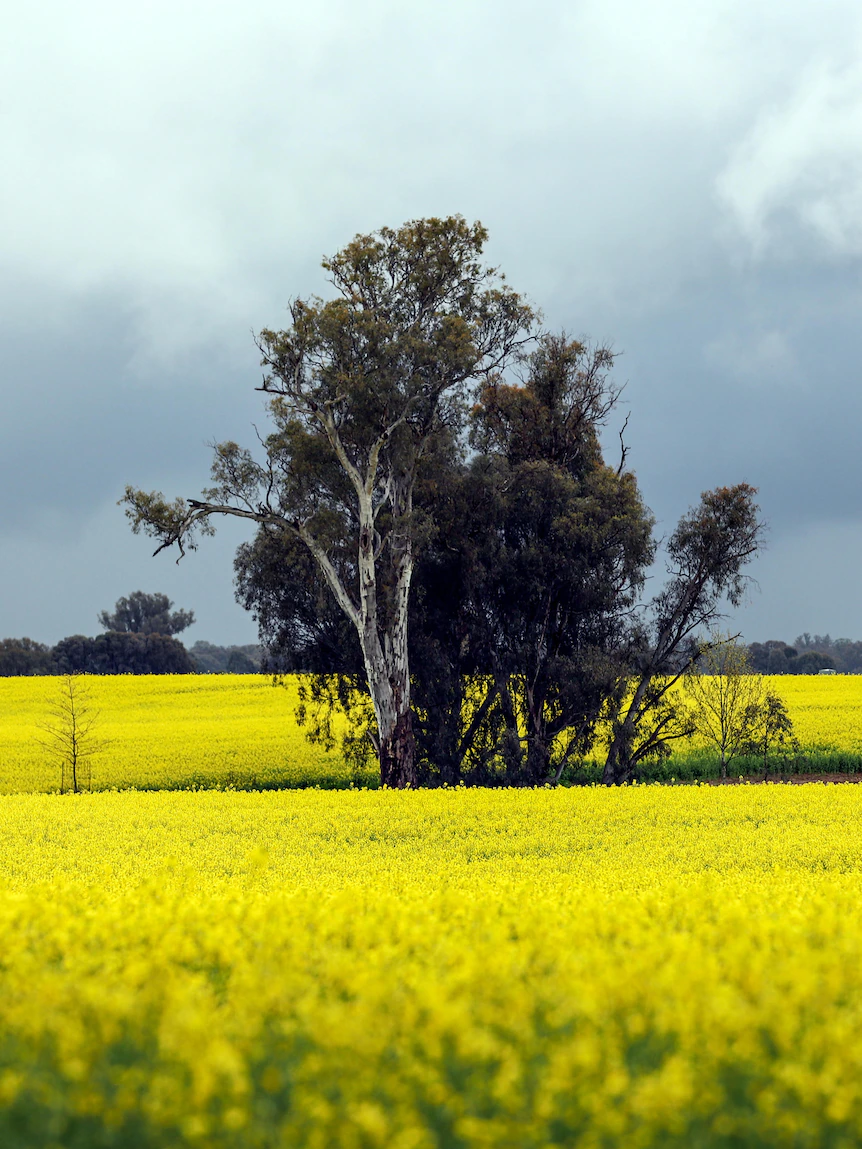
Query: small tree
[(772, 734), (70, 733), (726, 698), (705, 556), (143, 613)]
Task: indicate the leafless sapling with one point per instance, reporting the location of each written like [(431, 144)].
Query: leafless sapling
[(70, 733)]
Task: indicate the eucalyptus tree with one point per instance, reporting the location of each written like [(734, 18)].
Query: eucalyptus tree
[(706, 556), (357, 387), (143, 613)]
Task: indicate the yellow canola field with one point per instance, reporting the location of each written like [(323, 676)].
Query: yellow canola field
[(170, 731), (826, 709), (642, 967)]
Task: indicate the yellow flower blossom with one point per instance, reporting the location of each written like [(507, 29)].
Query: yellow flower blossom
[(643, 967)]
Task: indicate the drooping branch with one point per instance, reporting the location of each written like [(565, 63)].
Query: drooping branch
[(173, 524)]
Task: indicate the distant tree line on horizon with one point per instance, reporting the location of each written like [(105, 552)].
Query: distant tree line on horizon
[(138, 638), (809, 654), (130, 652)]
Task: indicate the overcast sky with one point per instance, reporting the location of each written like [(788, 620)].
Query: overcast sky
[(683, 180)]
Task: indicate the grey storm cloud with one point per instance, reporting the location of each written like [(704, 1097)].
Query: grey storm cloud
[(682, 180)]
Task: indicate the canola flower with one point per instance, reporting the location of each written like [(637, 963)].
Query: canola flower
[(168, 731), (176, 731), (826, 709), (640, 967)]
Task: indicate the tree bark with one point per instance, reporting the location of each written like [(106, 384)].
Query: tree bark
[(617, 767), (388, 673), (617, 764), (538, 767), (398, 754), (609, 773), (385, 654)]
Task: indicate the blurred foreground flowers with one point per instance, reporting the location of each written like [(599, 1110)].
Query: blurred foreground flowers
[(640, 967)]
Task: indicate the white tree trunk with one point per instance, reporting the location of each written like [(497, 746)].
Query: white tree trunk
[(386, 662)]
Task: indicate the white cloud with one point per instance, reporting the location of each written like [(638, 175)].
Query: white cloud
[(190, 154), (801, 165)]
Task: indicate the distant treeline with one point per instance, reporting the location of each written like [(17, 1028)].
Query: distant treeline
[(210, 659), (809, 654), (125, 652), (138, 639)]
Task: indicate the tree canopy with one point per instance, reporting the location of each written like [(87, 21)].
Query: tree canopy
[(23, 656), (143, 613), (531, 558), (119, 652)]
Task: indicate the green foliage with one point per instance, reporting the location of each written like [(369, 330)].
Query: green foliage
[(845, 655), (358, 388), (812, 662), (169, 522), (22, 656), (773, 657), (122, 653), (484, 604), (726, 700), (771, 736), (706, 556), (562, 561), (211, 659), (143, 613), (808, 655), (532, 553)]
